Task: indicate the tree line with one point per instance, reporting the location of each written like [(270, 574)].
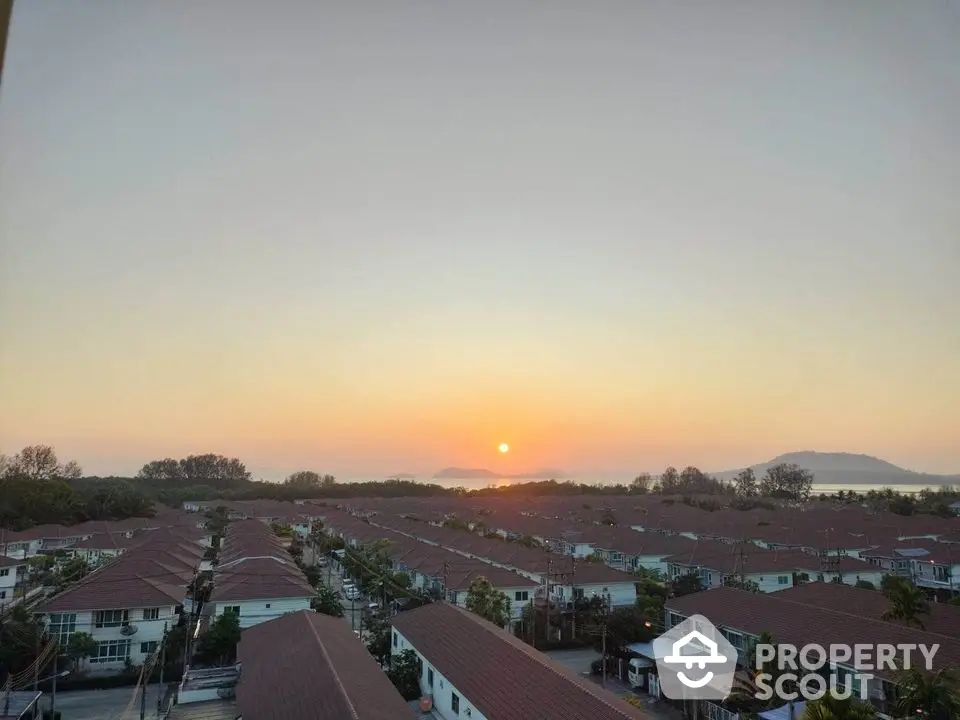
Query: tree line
[(36, 488)]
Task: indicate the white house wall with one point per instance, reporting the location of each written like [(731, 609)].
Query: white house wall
[(254, 612), (8, 583), (147, 631), (442, 689)]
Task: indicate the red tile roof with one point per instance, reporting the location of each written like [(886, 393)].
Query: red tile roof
[(943, 619), (307, 665), (501, 676), (798, 623)]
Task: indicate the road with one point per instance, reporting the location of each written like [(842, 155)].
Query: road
[(352, 611), (103, 704)]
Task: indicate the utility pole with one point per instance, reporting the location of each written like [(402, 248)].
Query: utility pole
[(446, 576), (36, 676), (143, 697), (163, 661), (573, 591), (603, 643), (53, 689), (547, 598)]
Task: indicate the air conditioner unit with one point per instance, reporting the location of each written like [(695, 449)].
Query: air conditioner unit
[(128, 630)]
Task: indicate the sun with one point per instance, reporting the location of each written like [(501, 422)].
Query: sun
[(504, 448)]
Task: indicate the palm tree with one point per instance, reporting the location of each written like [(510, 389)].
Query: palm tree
[(931, 696), (765, 638), (830, 707), (907, 603)]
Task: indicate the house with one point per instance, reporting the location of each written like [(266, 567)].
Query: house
[(256, 577), (743, 616), (12, 573), (944, 618), (127, 604), (472, 669), (939, 569), (716, 563), (841, 569), (309, 665), (103, 547)]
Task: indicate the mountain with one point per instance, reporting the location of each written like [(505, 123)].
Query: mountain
[(848, 469), (455, 473)]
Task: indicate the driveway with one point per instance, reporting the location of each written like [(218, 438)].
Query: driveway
[(102, 704), (576, 660)]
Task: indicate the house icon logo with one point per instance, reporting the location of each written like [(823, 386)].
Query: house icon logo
[(695, 661)]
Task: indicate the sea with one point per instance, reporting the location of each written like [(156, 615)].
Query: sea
[(481, 483)]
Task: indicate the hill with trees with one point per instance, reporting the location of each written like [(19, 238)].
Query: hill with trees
[(847, 469)]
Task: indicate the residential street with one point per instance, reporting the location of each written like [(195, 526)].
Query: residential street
[(352, 611), (103, 704)]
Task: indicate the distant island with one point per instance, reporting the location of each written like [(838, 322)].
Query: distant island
[(456, 473), (848, 469)]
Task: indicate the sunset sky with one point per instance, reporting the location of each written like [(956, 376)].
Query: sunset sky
[(380, 237)]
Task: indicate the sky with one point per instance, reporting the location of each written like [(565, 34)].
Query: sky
[(383, 237)]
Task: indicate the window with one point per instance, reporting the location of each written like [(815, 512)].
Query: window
[(419, 668), (111, 651), (111, 618), (4, 572), (430, 677), (735, 638), (521, 596), (783, 580), (395, 638), (151, 613), (455, 703), (235, 609), (62, 626), (148, 647), (3, 594), (268, 606)]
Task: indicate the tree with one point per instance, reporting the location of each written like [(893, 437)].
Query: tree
[(80, 646), (72, 570), (642, 484), (378, 637), (686, 585), (39, 462), (20, 636), (213, 470), (669, 482), (770, 666), (219, 643), (162, 471), (745, 483), (830, 707), (907, 603), (327, 601), (787, 481), (404, 673), (488, 602), (309, 480), (747, 585), (932, 696), (627, 625)]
